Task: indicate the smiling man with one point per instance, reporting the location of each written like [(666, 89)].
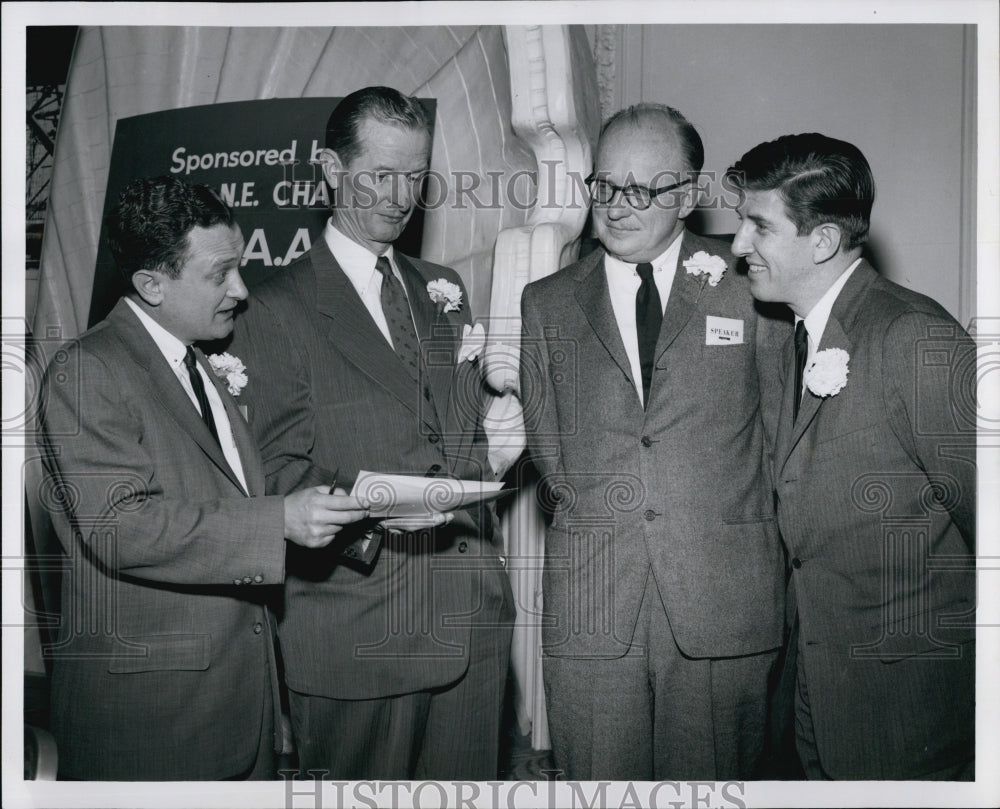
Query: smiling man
[(396, 668), (663, 582), (163, 664), (875, 473)]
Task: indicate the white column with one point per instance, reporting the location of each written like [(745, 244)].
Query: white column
[(555, 111)]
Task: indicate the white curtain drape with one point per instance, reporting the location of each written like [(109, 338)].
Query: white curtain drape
[(124, 71)]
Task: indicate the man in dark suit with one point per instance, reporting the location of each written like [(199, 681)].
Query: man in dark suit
[(163, 667), (875, 471), (396, 668), (663, 580)]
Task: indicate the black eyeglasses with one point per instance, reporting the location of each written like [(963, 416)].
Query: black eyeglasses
[(639, 197)]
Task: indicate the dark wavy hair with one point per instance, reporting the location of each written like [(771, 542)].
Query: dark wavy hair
[(637, 114), (149, 225), (820, 179), (383, 104)]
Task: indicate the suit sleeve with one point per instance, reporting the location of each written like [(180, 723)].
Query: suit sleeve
[(929, 363), (280, 396), (537, 394), (106, 488)]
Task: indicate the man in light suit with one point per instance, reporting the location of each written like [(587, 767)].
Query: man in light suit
[(663, 582), (875, 472), (396, 668), (163, 666)]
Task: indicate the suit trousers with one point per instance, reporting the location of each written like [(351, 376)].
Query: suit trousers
[(656, 714), (446, 733)]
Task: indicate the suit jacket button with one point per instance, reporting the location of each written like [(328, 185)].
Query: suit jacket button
[(350, 552), (258, 579), (237, 581), (463, 547), (649, 514), (796, 563), (646, 441), (247, 580), (258, 628), (433, 438)]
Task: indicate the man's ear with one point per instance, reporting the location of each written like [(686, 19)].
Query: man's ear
[(333, 167), (826, 240), (689, 198), (149, 285)]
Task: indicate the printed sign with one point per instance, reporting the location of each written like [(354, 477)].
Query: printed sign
[(258, 155)]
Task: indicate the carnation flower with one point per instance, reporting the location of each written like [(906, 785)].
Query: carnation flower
[(231, 369), (827, 374), (703, 263), (446, 293)]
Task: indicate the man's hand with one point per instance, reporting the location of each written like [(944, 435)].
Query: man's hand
[(503, 424), (313, 517)]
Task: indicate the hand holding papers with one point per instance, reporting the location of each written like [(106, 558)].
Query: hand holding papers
[(409, 502)]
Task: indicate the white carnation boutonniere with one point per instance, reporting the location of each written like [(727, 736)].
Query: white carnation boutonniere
[(473, 343), (702, 263), (827, 373), (447, 295), (231, 369)]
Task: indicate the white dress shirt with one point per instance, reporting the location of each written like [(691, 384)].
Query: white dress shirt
[(623, 284), (358, 264), (173, 351), (819, 315)]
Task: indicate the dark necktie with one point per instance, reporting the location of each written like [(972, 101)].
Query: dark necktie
[(398, 318), (801, 352), (199, 392), (648, 317)]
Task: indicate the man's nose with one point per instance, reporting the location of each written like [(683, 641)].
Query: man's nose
[(237, 289), (401, 192), (741, 244), (618, 208)]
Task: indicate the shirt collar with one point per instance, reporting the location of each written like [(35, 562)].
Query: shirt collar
[(171, 347), (667, 260), (820, 313), (357, 262)]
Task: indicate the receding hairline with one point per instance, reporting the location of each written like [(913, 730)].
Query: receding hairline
[(669, 137)]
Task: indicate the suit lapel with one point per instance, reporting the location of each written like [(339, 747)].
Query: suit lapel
[(684, 294), (353, 331), (782, 441), (253, 469), (165, 387), (595, 300), (835, 335), (436, 333)]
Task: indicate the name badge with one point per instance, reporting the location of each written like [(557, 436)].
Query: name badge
[(723, 331)]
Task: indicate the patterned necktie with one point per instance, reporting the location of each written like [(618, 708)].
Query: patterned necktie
[(199, 392), (648, 317), (801, 352), (399, 319)]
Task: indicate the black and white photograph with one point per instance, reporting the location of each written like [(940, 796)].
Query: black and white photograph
[(517, 404)]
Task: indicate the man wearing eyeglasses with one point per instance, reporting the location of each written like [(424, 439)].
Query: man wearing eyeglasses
[(664, 576)]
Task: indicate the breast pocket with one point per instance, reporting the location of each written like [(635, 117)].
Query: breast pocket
[(856, 443)]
